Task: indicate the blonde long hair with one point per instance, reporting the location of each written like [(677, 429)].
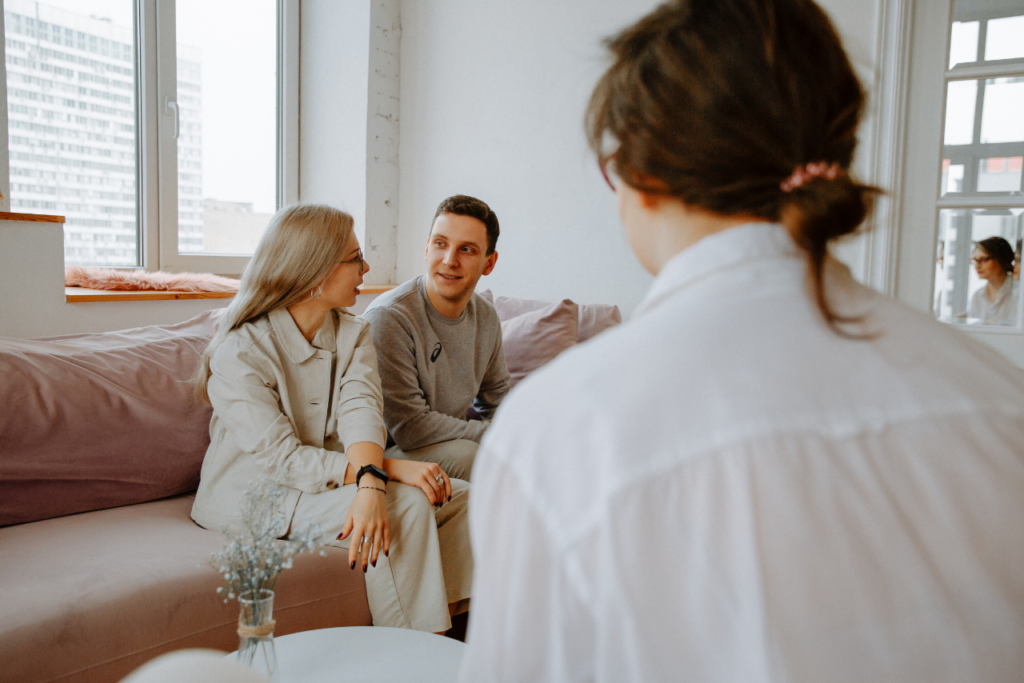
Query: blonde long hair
[(297, 252)]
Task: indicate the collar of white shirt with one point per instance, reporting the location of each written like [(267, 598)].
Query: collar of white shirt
[(294, 344), (722, 250)]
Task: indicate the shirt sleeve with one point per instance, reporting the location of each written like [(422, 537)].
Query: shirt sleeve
[(406, 412), (496, 383), (529, 623), (360, 399), (242, 390)]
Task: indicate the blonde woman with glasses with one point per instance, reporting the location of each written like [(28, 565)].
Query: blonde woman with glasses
[(292, 378)]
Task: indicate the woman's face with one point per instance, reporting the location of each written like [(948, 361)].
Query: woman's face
[(342, 285), (986, 266)]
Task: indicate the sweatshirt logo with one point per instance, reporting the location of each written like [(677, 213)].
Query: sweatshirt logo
[(436, 352)]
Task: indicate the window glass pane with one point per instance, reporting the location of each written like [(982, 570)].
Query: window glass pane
[(963, 43), (961, 99), (1002, 118), (978, 284), (71, 121), (1005, 38), (999, 174), (952, 177), (227, 149)]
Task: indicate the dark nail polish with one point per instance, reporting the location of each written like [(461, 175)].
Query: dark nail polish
[(364, 568), (352, 564), (374, 563), (385, 553)]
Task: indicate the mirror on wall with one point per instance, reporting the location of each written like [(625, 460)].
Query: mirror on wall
[(980, 197)]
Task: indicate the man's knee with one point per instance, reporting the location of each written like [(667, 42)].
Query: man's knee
[(461, 454), (455, 457)]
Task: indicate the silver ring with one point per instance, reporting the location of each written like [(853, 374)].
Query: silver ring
[(367, 539), (439, 479)]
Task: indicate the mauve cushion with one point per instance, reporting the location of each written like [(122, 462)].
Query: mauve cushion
[(532, 339), (95, 421), (594, 318)]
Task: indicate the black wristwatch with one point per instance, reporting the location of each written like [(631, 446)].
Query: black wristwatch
[(374, 470)]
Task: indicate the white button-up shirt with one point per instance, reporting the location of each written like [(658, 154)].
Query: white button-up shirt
[(724, 489)]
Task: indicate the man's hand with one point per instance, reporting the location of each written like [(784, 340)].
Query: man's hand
[(426, 476)]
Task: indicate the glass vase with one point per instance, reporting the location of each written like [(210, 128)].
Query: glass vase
[(256, 633)]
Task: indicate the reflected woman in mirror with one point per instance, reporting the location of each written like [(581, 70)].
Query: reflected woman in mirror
[(996, 302), (771, 472), (292, 378)]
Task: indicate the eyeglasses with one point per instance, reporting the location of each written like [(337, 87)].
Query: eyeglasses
[(604, 171), (358, 259), (980, 260)]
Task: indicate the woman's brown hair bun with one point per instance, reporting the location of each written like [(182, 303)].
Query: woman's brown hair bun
[(719, 102), (819, 211)]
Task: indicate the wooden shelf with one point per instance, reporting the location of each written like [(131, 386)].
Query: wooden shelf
[(31, 217), (80, 294)]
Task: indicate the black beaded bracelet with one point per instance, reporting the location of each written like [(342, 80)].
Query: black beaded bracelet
[(374, 488)]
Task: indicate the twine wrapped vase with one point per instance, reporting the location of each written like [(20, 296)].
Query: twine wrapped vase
[(256, 633)]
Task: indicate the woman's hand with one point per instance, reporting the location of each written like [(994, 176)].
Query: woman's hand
[(426, 476), (367, 519)]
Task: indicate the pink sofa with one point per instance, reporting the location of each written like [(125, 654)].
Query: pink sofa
[(101, 567)]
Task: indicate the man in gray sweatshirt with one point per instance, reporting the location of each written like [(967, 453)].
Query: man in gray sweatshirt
[(439, 344)]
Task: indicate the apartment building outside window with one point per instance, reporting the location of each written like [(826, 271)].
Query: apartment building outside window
[(153, 126)]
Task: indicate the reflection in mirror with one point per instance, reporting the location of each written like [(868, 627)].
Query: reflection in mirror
[(977, 267)]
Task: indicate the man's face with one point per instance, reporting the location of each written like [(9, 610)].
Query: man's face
[(456, 256)]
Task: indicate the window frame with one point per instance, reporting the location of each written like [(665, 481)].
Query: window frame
[(157, 153), (922, 200)]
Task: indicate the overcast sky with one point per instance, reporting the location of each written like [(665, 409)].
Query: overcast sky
[(237, 39)]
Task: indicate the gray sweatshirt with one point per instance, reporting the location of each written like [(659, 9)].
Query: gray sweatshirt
[(433, 368)]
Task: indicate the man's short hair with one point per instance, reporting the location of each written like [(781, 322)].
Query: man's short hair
[(463, 205)]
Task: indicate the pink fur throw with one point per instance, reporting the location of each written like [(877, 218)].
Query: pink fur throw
[(138, 280)]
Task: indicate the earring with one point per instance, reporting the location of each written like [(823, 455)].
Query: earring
[(319, 292)]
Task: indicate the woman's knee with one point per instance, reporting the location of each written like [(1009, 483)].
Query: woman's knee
[(408, 506)]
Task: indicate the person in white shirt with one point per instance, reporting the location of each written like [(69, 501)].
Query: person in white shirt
[(771, 473), (995, 303)]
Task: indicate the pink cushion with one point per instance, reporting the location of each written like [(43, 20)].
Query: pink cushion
[(94, 421), (532, 339), (594, 318)]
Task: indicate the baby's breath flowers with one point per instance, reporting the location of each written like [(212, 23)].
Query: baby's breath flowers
[(253, 557)]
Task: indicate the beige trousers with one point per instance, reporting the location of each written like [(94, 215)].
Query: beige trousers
[(455, 457), (429, 564)]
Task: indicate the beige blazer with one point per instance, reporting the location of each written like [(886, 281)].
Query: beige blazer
[(279, 411)]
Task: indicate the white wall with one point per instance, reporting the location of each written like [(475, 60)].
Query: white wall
[(492, 102), (333, 67), (349, 119)]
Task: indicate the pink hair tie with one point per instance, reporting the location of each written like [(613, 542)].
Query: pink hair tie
[(804, 174)]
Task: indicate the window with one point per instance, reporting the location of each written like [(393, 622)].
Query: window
[(161, 129), (961, 153), (980, 195)]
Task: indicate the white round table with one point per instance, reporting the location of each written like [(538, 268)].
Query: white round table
[(367, 654)]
